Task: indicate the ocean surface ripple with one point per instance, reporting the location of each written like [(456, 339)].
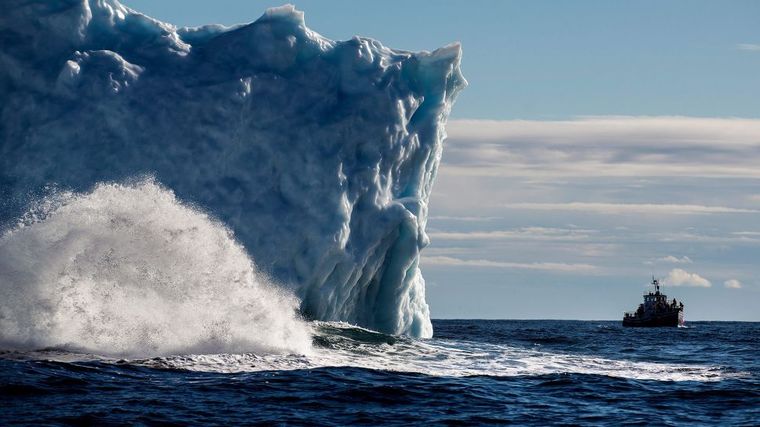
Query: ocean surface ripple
[(472, 372)]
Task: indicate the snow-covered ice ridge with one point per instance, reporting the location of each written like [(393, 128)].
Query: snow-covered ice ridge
[(320, 155)]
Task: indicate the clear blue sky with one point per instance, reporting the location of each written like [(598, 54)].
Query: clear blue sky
[(558, 215), (550, 59)]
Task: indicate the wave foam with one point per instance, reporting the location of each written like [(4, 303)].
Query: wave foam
[(127, 269), (348, 346)]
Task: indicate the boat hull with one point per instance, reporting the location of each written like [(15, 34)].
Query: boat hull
[(671, 319)]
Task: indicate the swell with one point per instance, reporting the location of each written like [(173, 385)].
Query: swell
[(99, 393)]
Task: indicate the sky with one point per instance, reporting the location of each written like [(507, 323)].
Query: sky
[(598, 143)]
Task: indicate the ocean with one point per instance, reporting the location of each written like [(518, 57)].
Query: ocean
[(473, 372)]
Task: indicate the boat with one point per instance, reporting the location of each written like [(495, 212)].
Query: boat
[(655, 311)]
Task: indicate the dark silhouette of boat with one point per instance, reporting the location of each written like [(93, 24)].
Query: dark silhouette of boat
[(656, 310)]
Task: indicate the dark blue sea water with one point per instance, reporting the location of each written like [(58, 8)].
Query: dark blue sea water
[(472, 372)]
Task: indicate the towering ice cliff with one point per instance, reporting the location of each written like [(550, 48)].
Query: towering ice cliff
[(319, 155)]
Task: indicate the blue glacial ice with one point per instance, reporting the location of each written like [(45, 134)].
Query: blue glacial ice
[(320, 155)]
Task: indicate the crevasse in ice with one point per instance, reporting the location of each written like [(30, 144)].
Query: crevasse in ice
[(319, 155)]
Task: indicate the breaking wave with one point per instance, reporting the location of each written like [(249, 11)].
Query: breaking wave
[(127, 269)]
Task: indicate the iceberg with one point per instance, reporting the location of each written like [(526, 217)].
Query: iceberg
[(319, 155)]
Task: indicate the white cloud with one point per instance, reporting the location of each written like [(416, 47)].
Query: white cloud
[(630, 208), (670, 259), (546, 266), (748, 46), (679, 277), (651, 188), (732, 284), (748, 238), (446, 251), (746, 233), (465, 218), (526, 233), (604, 146), (675, 260)]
